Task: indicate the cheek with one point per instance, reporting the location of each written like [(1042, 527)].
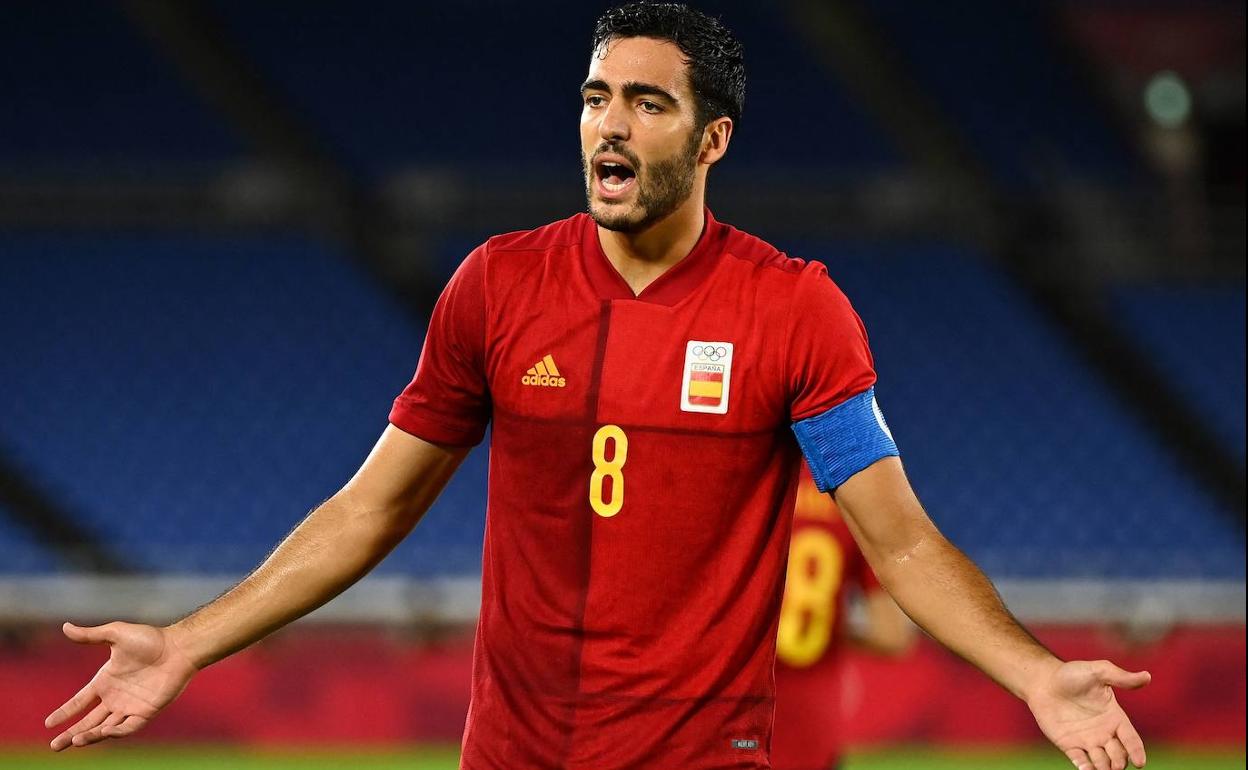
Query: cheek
[(589, 136)]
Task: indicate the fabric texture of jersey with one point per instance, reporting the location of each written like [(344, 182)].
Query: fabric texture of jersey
[(825, 565), (642, 476)]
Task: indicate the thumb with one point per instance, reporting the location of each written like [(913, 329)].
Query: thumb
[(105, 634), (1117, 677)]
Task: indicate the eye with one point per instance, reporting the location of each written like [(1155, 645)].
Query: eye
[(651, 107), (595, 100)]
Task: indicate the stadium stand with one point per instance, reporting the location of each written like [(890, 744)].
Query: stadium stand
[(370, 80), (190, 397), (997, 71), (1196, 337), (1022, 456), (84, 91)]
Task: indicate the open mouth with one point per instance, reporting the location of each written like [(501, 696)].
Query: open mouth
[(614, 174)]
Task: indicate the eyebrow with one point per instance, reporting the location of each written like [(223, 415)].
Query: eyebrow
[(630, 89)]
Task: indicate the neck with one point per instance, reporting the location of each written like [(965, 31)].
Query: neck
[(642, 257)]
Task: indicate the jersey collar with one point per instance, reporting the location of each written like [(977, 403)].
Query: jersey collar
[(669, 288)]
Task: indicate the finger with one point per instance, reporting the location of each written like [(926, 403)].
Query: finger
[(131, 725), (1079, 758), (96, 734), (66, 738), (1118, 677), (1132, 742), (1117, 754), (105, 634), (1100, 760), (72, 706)]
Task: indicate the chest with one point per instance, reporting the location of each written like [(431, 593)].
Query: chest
[(712, 363)]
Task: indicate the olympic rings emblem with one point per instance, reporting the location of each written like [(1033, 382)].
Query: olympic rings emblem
[(709, 352)]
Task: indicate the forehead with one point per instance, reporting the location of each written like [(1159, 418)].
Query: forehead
[(640, 60)]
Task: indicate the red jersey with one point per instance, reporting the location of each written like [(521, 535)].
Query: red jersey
[(824, 561), (642, 475)]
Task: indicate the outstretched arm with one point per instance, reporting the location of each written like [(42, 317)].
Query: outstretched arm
[(336, 545), (949, 597)]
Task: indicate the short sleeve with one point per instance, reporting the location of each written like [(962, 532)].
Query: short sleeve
[(828, 357), (836, 420), (448, 400)]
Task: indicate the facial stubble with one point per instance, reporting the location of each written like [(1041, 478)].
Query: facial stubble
[(662, 187)]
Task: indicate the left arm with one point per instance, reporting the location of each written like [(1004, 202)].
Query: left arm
[(949, 597)]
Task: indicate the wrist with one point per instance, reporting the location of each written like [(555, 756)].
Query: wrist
[(182, 644), (1035, 675)]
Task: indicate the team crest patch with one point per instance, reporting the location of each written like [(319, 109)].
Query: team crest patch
[(708, 373)]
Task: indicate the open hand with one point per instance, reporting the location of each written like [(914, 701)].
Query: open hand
[(1076, 708), (144, 673)]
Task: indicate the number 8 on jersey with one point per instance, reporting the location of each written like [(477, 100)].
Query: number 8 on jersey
[(608, 469)]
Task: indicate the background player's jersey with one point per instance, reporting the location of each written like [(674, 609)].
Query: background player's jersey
[(824, 561), (642, 474)]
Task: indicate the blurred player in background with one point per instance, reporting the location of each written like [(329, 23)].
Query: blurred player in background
[(825, 566), (645, 370)]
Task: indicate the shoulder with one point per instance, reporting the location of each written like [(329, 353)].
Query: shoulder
[(564, 233), (782, 272), (504, 258)]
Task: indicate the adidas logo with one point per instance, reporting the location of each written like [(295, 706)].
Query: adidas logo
[(545, 374)]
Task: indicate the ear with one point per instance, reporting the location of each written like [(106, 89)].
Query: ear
[(715, 138)]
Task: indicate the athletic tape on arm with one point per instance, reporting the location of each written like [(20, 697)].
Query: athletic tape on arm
[(844, 440)]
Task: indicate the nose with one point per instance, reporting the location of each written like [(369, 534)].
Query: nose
[(614, 124)]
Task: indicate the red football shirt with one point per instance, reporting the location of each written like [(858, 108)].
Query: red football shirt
[(824, 561), (642, 474)]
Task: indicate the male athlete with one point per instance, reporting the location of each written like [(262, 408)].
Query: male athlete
[(824, 565), (645, 369)]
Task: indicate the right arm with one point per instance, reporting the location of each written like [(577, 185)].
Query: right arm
[(336, 545)]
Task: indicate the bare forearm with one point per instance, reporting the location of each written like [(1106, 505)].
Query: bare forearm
[(951, 598), (333, 547)]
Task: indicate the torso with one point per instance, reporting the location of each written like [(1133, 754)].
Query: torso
[(629, 607)]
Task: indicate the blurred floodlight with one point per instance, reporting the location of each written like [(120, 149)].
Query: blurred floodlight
[(1167, 99)]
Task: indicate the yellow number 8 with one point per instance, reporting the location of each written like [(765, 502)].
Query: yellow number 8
[(612, 469), (809, 611)]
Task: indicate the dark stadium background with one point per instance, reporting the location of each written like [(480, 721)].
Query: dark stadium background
[(223, 225)]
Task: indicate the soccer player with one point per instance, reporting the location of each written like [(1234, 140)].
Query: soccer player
[(824, 564), (649, 373)]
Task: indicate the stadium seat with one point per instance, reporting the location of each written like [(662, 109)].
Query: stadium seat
[(1020, 453), (370, 79), (190, 398), (1195, 334), (84, 91)]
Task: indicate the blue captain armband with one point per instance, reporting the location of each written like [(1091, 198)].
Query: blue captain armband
[(844, 440)]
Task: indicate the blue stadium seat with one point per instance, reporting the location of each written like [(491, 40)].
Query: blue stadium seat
[(83, 88), (997, 70), (190, 398), (1195, 335), (374, 80), (1020, 453)]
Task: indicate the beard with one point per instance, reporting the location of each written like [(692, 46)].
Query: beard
[(662, 186)]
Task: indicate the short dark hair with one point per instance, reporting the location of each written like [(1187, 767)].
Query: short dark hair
[(716, 65)]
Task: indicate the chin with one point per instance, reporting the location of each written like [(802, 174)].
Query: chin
[(619, 218)]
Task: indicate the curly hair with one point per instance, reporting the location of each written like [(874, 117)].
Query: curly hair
[(713, 53)]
